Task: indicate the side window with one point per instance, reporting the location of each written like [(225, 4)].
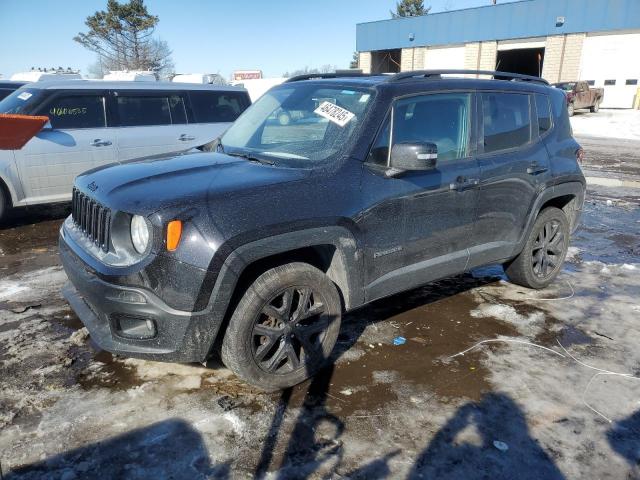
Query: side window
[(543, 107), (136, 111), (177, 109), (506, 119), (212, 107), (442, 119), (76, 111)]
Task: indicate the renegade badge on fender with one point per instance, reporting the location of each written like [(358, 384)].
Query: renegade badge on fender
[(375, 185)]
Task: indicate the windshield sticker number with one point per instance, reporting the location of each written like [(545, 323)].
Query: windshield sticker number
[(334, 113), (25, 96)]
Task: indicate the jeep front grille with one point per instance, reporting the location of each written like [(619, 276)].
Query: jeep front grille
[(91, 218)]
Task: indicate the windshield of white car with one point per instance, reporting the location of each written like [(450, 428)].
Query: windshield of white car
[(299, 123), (22, 102)]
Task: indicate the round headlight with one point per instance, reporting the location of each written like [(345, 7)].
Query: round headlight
[(139, 233)]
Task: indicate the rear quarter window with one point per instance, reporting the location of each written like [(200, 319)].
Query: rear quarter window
[(543, 109), (506, 120), (213, 107)]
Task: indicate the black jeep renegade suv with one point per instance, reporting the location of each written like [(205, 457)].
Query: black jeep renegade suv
[(378, 184)]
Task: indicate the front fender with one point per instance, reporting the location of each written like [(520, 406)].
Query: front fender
[(345, 269)]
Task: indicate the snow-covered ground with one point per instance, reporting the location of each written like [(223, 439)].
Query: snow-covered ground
[(607, 123)]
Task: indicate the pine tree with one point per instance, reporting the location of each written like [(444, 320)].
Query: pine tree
[(410, 8)]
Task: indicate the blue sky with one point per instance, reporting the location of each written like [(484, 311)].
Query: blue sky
[(205, 36)]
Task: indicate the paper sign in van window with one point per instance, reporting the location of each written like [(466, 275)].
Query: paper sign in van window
[(332, 112), (25, 96)]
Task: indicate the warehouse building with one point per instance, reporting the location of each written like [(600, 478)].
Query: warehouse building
[(561, 40)]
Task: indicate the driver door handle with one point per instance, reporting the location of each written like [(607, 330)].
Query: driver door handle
[(100, 143), (463, 183), (186, 138)]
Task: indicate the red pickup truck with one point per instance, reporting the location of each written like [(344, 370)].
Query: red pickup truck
[(580, 95)]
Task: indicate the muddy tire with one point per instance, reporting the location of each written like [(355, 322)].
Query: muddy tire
[(284, 328), (544, 252), (595, 108), (571, 109)]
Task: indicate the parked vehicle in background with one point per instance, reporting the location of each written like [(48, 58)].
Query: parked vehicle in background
[(130, 76), (41, 75), (207, 78), (258, 86), (7, 87), (94, 123), (262, 245), (580, 95)]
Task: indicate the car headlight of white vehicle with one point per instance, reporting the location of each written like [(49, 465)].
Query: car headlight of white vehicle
[(139, 233)]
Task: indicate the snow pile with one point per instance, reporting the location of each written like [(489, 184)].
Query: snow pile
[(623, 124)]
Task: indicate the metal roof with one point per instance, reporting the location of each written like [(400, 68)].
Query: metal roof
[(522, 19), (124, 85)]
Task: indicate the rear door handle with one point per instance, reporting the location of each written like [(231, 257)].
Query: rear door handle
[(462, 183), (100, 143), (535, 169), (186, 138)]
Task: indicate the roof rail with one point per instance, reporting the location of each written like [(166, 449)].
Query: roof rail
[(438, 74), (309, 76)]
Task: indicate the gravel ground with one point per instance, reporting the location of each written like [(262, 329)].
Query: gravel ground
[(554, 394)]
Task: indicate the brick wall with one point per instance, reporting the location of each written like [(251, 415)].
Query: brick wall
[(364, 62), (488, 55), (562, 57), (412, 59)]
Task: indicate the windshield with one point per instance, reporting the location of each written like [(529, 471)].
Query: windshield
[(301, 122), (23, 101), (567, 87)]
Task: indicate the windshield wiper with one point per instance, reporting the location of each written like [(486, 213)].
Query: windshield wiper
[(252, 158)]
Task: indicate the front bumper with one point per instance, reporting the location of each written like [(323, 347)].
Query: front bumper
[(135, 322)]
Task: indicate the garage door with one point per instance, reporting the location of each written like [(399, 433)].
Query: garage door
[(610, 61), (445, 58)]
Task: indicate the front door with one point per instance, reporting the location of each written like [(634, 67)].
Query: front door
[(77, 140), (426, 218)]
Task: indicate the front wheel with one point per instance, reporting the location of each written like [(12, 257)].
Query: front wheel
[(4, 205), (544, 252), (284, 328), (571, 109)]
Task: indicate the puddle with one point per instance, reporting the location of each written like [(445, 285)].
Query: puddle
[(438, 326), (109, 373)]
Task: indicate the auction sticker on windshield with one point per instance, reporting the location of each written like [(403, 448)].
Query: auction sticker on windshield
[(331, 111)]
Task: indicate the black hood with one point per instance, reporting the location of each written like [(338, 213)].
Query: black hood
[(146, 186)]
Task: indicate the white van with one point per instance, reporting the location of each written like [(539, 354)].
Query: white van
[(93, 123)]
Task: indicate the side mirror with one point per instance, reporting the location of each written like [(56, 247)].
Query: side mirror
[(412, 156)]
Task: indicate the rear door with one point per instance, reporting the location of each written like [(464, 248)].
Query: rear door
[(150, 123), (514, 166), (78, 139)]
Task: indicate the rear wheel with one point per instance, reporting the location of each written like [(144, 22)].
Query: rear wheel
[(595, 107), (571, 109), (544, 252), (284, 328)]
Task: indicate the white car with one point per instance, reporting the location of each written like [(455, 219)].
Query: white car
[(93, 123)]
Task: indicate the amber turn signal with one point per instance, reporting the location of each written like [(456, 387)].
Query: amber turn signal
[(174, 232)]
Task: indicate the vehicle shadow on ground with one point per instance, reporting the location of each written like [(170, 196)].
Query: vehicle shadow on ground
[(168, 449), (21, 217)]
